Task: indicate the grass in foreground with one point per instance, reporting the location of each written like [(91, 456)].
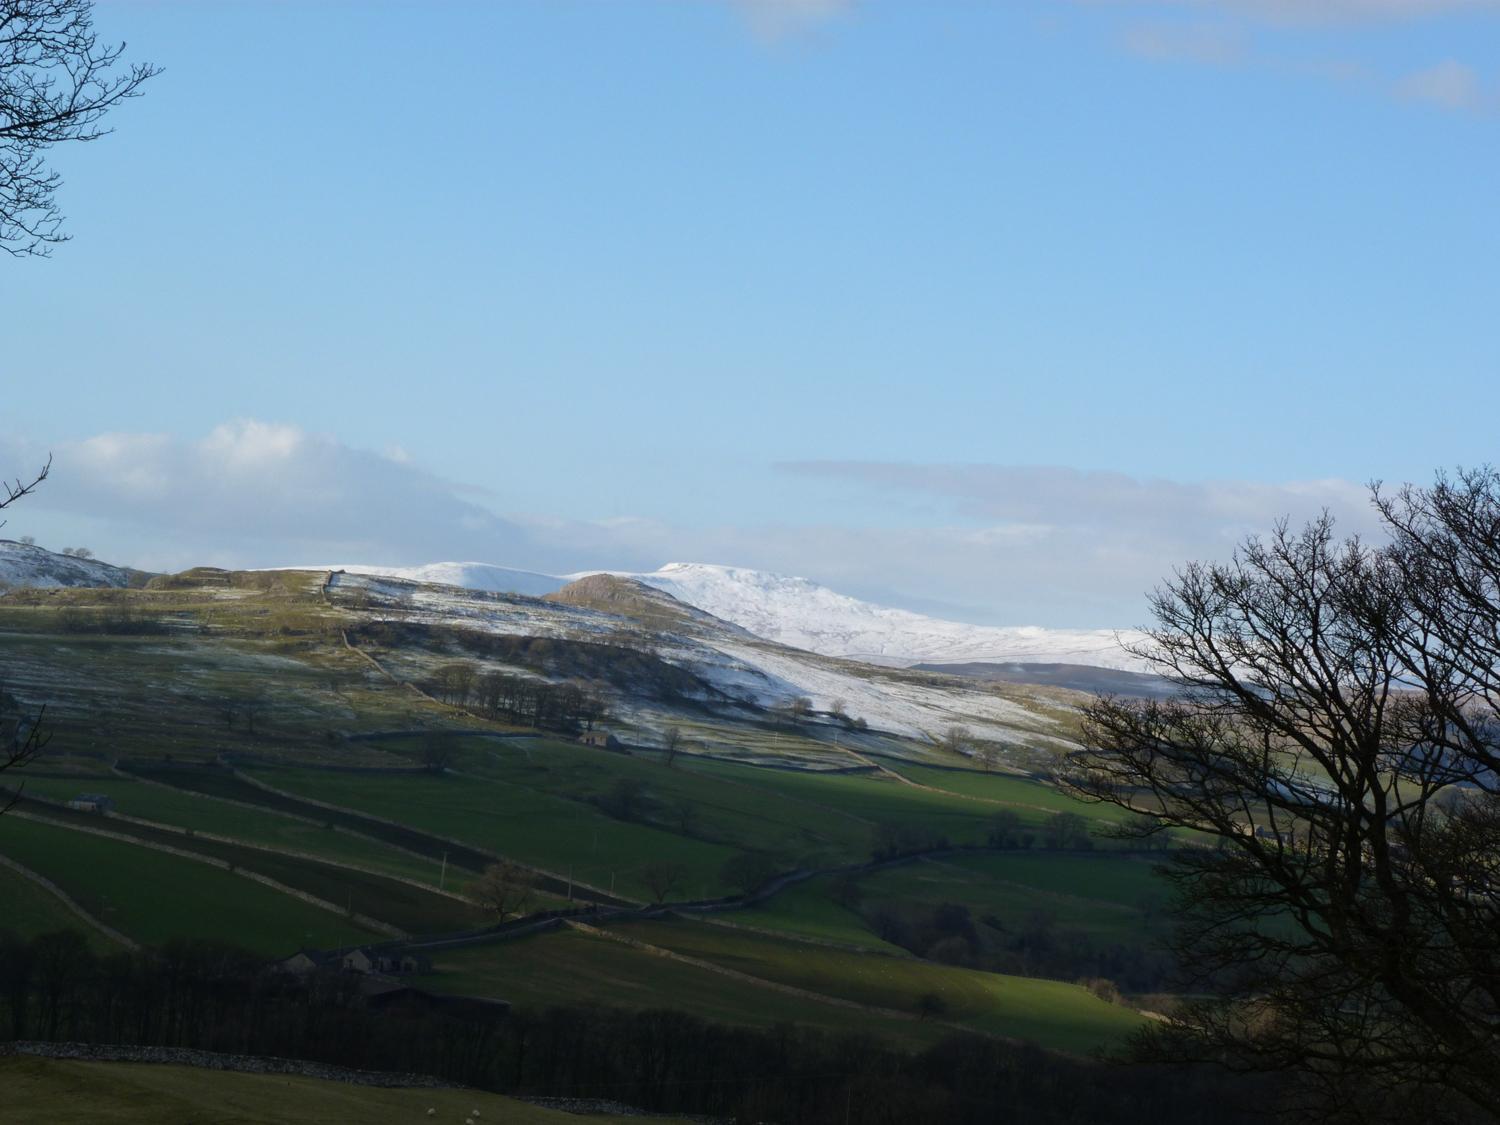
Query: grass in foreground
[(48, 1090)]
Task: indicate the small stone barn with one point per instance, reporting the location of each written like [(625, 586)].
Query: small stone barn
[(600, 738), (92, 802)]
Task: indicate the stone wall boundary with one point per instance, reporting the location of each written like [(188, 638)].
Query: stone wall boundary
[(224, 865), (67, 900), (214, 1060)]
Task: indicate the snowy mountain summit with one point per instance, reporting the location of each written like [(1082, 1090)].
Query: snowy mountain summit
[(801, 613)]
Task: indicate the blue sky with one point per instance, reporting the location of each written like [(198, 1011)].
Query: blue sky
[(994, 309)]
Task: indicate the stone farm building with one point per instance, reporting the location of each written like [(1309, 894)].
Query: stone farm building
[(92, 802)]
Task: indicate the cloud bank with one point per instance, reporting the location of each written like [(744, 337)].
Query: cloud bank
[(782, 19), (995, 544)]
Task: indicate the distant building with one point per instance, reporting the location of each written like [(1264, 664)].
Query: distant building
[(92, 802), (361, 961), (368, 961), (305, 961), (600, 738)]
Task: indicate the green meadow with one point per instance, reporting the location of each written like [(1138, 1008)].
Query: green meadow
[(152, 897)]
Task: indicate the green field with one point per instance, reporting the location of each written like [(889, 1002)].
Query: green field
[(50, 1090), (553, 833), (807, 909), (1124, 880), (413, 909), (31, 910), (1051, 1013), (731, 811), (870, 797), (1024, 794), (254, 825), (152, 897), (567, 967), (1011, 888)]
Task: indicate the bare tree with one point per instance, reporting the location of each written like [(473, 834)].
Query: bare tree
[(438, 752), (1337, 738), (504, 888), (747, 871), (797, 709), (22, 738), (662, 877), (671, 740), (56, 85), (19, 488)]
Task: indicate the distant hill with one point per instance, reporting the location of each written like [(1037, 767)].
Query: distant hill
[(1076, 677), (25, 564), (468, 575), (803, 614), (796, 612)]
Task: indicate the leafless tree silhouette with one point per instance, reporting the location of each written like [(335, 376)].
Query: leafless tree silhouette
[(56, 85), (1337, 743)]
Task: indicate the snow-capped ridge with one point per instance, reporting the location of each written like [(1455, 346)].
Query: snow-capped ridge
[(804, 614), (468, 575)]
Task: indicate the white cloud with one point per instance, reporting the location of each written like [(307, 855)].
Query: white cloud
[(1211, 44), (1076, 548), (1295, 37), (781, 19), (1341, 11), (1449, 84), (253, 493), (1008, 545)]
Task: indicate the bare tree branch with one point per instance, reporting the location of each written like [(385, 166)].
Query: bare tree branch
[(56, 85)]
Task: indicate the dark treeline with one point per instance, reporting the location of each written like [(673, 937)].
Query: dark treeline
[(623, 662), (1030, 943), (523, 700), (214, 997)]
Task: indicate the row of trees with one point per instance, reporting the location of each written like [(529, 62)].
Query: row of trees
[(518, 699), (214, 997)]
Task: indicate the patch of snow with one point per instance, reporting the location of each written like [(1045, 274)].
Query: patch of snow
[(468, 575), (25, 564), (742, 667), (803, 614), (806, 615)]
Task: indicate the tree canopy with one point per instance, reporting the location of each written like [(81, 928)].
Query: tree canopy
[(1334, 751), (57, 83)]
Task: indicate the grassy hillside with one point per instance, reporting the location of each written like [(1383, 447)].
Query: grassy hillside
[(260, 825), (179, 682), (49, 1090), (152, 897), (31, 910), (567, 967), (1051, 1013)]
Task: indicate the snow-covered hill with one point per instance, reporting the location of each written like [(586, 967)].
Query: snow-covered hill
[(803, 614), (469, 575), (738, 673), (25, 564)]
